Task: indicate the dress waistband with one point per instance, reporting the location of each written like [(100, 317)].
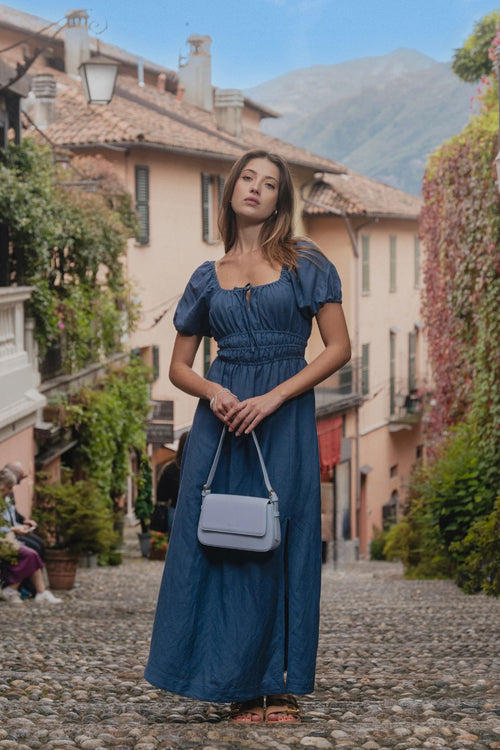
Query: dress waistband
[(262, 346)]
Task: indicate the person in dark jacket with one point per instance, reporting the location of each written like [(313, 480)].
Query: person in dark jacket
[(168, 485)]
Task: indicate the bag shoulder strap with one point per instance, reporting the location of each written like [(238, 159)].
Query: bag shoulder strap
[(208, 484)]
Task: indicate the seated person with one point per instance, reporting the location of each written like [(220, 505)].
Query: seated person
[(29, 564), (26, 535)]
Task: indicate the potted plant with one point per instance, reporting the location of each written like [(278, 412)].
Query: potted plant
[(143, 506), (159, 545), (73, 519)]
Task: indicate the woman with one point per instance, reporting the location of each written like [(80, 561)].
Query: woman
[(232, 626), (168, 489), (29, 563)]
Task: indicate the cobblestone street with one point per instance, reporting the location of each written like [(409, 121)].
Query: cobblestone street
[(401, 664)]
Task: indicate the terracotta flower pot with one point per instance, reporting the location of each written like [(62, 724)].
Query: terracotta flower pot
[(157, 554), (61, 569)]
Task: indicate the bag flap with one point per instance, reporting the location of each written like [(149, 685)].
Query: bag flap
[(234, 514)]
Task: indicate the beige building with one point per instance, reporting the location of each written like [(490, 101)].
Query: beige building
[(172, 138)]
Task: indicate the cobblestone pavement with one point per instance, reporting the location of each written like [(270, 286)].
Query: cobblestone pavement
[(401, 664)]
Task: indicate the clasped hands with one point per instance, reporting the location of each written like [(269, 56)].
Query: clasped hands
[(243, 416), (26, 528)]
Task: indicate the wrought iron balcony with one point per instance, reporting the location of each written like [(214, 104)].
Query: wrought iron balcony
[(340, 391)]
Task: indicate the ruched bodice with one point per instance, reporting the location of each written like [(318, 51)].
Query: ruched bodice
[(230, 624)]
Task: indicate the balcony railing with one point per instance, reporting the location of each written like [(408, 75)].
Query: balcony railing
[(340, 391), (407, 405), (19, 397)]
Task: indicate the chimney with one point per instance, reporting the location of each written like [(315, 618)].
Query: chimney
[(160, 82), (44, 88), (228, 110), (196, 73), (76, 41)]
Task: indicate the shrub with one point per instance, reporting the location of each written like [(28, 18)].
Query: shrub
[(377, 544), (479, 551)]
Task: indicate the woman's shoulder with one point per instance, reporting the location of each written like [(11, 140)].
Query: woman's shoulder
[(204, 270)]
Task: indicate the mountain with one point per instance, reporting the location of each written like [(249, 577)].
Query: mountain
[(380, 116)]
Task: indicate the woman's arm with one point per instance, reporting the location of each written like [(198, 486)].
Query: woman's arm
[(183, 376), (247, 414)]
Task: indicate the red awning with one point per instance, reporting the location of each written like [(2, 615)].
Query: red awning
[(330, 440)]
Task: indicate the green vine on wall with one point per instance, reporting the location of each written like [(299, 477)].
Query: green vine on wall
[(68, 244), (109, 422)]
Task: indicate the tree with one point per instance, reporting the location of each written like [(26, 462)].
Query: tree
[(472, 61)]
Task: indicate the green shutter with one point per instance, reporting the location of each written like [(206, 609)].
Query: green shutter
[(142, 202), (412, 361), (221, 181), (416, 262), (365, 264), (365, 369), (392, 371), (156, 362), (392, 264), (206, 207)]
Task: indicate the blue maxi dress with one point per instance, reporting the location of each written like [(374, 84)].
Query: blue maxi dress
[(231, 625)]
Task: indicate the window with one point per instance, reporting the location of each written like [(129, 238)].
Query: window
[(392, 263), (393, 471), (156, 361), (416, 262), (142, 203), (365, 264), (412, 361), (212, 187), (365, 369), (392, 372)]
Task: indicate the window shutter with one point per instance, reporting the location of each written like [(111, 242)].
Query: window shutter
[(412, 361), (365, 264), (156, 362), (416, 257), (365, 369), (206, 207), (221, 181), (142, 202), (392, 263), (392, 371)]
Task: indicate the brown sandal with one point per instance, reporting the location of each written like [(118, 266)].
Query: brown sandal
[(284, 706), (247, 712)]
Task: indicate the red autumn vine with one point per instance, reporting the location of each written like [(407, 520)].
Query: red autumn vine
[(460, 229)]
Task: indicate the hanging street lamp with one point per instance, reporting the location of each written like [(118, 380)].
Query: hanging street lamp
[(98, 77)]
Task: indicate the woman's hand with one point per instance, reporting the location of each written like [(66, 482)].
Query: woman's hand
[(246, 415), (21, 530), (223, 402)]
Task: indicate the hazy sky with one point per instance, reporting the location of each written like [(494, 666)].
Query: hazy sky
[(254, 40)]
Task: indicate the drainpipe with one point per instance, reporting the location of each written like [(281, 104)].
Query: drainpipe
[(354, 239)]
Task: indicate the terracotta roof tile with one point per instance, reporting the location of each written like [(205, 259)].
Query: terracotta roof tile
[(354, 194), (144, 116)]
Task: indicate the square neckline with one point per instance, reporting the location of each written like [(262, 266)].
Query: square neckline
[(249, 285)]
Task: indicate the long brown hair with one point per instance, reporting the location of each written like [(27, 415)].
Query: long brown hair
[(276, 236)]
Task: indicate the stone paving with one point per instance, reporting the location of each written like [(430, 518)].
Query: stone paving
[(401, 664)]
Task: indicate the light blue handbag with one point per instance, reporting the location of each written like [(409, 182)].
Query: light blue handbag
[(239, 521)]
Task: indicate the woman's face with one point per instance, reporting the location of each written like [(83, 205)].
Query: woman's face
[(255, 193)]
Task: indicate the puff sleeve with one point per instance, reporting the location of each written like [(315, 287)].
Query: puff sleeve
[(316, 282), (191, 317)]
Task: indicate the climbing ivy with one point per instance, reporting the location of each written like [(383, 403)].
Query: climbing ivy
[(68, 243), (452, 513), (109, 422)]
